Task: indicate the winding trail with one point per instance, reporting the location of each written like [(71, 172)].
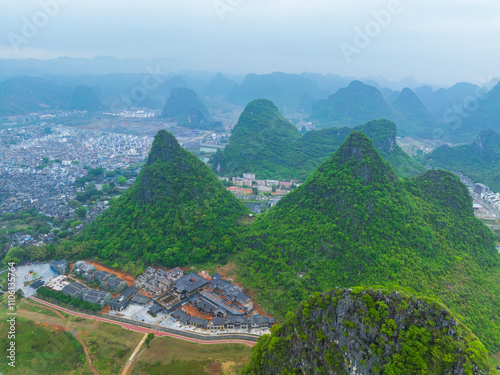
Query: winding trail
[(126, 369), (132, 327), (86, 350)]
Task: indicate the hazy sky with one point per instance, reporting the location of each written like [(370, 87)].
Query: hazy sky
[(432, 40)]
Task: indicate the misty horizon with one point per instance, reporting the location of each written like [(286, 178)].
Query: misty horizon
[(393, 39)]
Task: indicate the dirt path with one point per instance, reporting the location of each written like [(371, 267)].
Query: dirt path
[(130, 361), (86, 350), (55, 324)]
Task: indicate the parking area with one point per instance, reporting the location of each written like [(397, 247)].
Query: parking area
[(139, 313), (32, 272)]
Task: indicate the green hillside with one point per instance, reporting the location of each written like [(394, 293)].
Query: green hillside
[(354, 222), (315, 147), (185, 107), (478, 160), (176, 212), (259, 143), (412, 115), (265, 143), (369, 331), (356, 104)]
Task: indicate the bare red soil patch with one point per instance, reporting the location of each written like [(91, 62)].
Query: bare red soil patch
[(191, 310), (122, 275)]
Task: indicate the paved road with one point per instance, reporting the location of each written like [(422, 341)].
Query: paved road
[(132, 327), (477, 198)]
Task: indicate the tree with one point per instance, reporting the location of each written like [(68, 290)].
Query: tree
[(74, 204), (15, 255), (150, 337), (81, 212), (122, 180), (19, 294)]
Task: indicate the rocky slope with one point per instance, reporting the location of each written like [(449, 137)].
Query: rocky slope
[(369, 331)]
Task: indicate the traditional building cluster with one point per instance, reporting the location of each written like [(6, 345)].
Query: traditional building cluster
[(106, 280), (80, 291), (224, 302), (158, 281), (227, 323)]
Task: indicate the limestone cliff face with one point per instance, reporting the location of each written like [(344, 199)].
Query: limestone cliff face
[(365, 331)]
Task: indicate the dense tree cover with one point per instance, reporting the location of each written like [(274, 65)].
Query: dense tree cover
[(185, 107), (367, 331), (29, 222), (478, 160), (265, 143), (359, 103), (58, 296), (355, 104), (176, 212), (315, 147), (354, 222), (259, 143)]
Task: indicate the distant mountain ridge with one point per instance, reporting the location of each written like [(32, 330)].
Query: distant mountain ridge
[(359, 103), (85, 99), (24, 95), (290, 92)]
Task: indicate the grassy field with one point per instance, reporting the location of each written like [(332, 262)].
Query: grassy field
[(42, 349), (110, 346), (168, 356), (46, 344)]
